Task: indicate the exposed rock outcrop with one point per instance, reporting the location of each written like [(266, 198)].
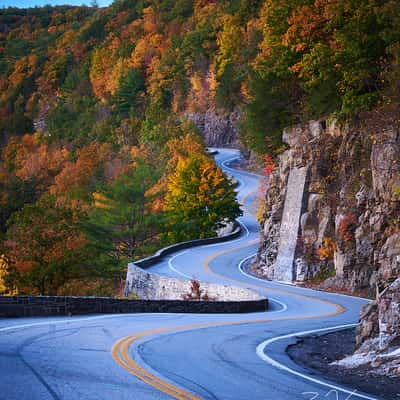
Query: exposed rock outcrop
[(378, 335), (349, 225), (348, 234), (218, 129)]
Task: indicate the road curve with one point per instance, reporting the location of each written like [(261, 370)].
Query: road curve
[(181, 356)]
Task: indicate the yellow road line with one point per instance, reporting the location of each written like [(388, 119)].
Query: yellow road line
[(207, 261), (206, 267), (120, 350), (121, 355)]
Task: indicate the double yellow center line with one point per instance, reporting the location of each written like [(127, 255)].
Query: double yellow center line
[(120, 353), (120, 350)]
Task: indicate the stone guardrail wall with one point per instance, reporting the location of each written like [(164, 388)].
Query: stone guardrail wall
[(160, 254), (150, 286), (29, 306)]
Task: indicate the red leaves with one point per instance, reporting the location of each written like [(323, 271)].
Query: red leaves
[(269, 165), (196, 293), (347, 226)]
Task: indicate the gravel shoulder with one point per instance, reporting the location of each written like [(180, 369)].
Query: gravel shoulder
[(317, 352)]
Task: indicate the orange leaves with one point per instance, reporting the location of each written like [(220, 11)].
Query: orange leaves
[(100, 200), (147, 48), (106, 70), (30, 160), (42, 240), (199, 96), (183, 148), (24, 68), (307, 24), (151, 21), (78, 173)]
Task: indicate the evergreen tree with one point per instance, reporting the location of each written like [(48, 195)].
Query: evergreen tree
[(123, 223)]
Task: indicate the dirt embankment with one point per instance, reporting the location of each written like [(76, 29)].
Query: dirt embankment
[(317, 352)]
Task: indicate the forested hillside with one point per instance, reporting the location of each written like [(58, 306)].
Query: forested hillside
[(94, 130)]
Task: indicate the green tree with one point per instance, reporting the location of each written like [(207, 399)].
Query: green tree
[(200, 199), (129, 96), (123, 224)]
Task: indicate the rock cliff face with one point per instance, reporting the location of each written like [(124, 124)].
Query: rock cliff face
[(217, 129), (378, 335), (348, 230)]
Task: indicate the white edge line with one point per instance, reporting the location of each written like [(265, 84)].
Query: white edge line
[(300, 287), (68, 320), (241, 270), (172, 268), (231, 241), (261, 353)]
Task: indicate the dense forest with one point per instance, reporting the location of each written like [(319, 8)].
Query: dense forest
[(95, 142)]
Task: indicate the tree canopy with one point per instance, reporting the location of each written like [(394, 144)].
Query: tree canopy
[(200, 199)]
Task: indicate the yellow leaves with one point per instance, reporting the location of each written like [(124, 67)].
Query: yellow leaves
[(229, 41), (198, 98), (116, 73), (196, 82), (100, 200), (195, 179), (213, 82), (106, 71), (327, 250), (200, 196), (24, 68), (100, 68), (4, 265), (182, 148)]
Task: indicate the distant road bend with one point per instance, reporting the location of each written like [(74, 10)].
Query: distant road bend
[(181, 356)]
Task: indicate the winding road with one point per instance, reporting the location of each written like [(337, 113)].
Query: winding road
[(181, 356)]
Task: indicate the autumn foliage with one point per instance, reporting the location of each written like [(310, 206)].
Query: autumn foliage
[(347, 226), (269, 165), (200, 199)]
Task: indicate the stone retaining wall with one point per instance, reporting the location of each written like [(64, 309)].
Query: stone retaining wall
[(29, 306), (150, 286)]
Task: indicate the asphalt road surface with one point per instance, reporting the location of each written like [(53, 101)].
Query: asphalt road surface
[(181, 356)]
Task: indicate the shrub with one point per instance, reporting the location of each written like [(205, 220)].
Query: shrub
[(347, 226), (196, 293), (327, 250)]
